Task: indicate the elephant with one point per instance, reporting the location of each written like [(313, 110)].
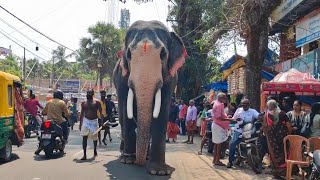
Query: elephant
[(145, 77)]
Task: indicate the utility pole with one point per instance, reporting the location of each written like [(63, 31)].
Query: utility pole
[(24, 65), (52, 74)]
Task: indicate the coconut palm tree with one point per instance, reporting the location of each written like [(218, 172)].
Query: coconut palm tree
[(100, 50)]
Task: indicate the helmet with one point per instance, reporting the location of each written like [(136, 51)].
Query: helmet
[(58, 94)]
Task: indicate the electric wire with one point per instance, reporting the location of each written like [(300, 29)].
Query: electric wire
[(35, 29), (22, 46), (16, 30)]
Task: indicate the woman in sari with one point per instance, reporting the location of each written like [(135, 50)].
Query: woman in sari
[(276, 127), (299, 120)]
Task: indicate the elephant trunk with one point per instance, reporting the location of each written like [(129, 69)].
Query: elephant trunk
[(145, 82), (146, 111)]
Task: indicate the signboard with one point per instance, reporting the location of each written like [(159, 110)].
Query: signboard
[(317, 63), (5, 51), (69, 86), (290, 87), (304, 63), (284, 8), (286, 65), (308, 30)]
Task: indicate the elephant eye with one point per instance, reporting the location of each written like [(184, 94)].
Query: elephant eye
[(163, 54), (128, 54)]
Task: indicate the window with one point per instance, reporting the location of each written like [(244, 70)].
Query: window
[(10, 95)]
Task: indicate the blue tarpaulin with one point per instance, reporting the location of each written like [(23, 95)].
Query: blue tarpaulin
[(266, 75), (269, 60), (223, 86), (216, 86)]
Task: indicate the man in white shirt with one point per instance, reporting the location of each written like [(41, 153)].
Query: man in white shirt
[(243, 115), (191, 121)]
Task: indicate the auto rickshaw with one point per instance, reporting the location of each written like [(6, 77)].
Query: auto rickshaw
[(11, 114)]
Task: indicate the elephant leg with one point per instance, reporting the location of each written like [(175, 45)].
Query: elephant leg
[(156, 164), (128, 135)]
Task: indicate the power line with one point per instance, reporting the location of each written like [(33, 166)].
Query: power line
[(12, 27), (21, 43), (22, 46), (35, 29)]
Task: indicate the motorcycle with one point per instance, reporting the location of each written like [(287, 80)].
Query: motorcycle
[(51, 138), (248, 150), (315, 165), (32, 126)]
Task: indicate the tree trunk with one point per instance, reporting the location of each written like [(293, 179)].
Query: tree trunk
[(97, 79), (101, 79), (257, 44)]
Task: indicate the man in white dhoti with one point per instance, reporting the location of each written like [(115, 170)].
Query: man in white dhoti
[(89, 122)]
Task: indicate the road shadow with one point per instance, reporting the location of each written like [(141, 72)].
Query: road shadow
[(117, 170), (91, 161), (44, 158), (13, 158)]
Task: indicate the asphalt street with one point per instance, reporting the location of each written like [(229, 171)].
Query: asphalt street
[(182, 157)]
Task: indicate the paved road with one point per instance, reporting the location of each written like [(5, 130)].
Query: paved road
[(188, 165)]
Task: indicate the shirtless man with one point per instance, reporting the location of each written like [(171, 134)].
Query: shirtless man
[(89, 122)]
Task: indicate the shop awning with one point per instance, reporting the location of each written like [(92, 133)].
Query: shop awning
[(237, 61), (292, 81), (266, 75), (216, 86)]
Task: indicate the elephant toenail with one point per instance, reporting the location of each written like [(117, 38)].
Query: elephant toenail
[(168, 172), (153, 172), (162, 173)]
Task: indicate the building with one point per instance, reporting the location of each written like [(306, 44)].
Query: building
[(5, 52), (124, 19), (298, 22)]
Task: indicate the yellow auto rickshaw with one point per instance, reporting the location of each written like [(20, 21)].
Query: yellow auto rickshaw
[(11, 114)]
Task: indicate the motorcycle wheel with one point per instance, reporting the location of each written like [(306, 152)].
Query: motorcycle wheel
[(27, 132), (48, 152), (254, 159), (6, 152), (314, 176)]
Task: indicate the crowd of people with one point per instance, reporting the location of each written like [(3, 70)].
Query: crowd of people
[(281, 118), (94, 114)]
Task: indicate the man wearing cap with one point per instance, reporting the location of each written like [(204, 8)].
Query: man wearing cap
[(89, 122)]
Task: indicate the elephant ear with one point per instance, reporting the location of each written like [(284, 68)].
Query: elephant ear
[(177, 54), (122, 64)]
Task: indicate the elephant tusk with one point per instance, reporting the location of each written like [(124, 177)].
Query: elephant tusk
[(157, 104), (130, 104)]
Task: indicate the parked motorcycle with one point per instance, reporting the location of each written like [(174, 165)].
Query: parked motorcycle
[(315, 165), (51, 138), (248, 149), (32, 126)]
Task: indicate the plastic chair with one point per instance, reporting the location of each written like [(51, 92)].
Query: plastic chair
[(314, 143), (295, 153)]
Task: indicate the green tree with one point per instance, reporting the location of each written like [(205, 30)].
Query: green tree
[(101, 49), (10, 65), (193, 21)]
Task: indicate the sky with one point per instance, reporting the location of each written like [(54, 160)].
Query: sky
[(66, 21)]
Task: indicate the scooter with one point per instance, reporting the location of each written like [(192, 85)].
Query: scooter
[(33, 125), (51, 138), (248, 150), (315, 165)]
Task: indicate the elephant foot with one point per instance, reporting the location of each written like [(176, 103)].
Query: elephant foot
[(127, 159), (161, 169)]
